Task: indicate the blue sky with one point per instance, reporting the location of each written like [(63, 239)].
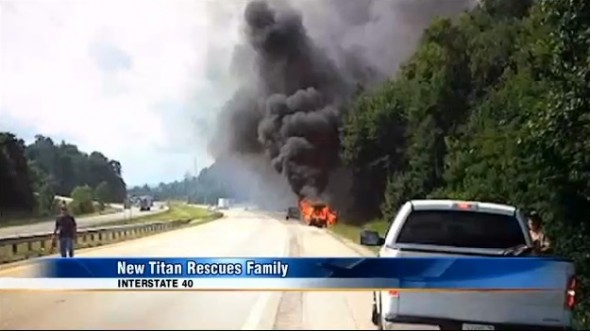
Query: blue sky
[(141, 86)]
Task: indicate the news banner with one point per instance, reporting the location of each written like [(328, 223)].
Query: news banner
[(279, 274)]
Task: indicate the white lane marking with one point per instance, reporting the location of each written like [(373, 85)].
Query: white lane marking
[(263, 314)]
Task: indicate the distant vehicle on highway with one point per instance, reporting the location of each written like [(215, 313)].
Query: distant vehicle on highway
[(145, 203), (223, 203), (293, 213), (445, 228)]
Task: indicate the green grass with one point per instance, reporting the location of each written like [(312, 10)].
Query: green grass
[(177, 211), (353, 232)]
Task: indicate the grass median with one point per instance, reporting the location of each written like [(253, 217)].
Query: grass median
[(353, 232), (29, 220), (176, 211)]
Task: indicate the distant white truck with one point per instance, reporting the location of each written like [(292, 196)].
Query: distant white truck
[(444, 228), (145, 203), (223, 203)]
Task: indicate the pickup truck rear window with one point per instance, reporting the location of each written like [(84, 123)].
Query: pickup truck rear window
[(461, 229)]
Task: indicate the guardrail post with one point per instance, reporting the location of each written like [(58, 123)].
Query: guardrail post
[(20, 248), (6, 252), (35, 247)]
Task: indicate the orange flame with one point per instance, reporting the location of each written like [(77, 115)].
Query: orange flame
[(317, 210)]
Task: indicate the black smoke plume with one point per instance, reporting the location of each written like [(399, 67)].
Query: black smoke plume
[(296, 88)]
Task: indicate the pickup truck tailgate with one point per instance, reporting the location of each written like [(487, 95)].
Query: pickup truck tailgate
[(538, 308), (535, 307)]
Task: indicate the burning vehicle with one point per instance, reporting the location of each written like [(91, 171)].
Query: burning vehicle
[(317, 213)]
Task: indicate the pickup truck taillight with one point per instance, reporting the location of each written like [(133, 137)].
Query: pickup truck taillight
[(570, 294)]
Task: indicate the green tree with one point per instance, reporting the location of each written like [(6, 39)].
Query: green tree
[(69, 167), (17, 187), (494, 105), (211, 184), (103, 194), (558, 134), (47, 202), (82, 202)]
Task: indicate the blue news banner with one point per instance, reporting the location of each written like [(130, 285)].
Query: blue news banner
[(497, 273)]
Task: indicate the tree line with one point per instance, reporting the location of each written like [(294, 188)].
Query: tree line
[(32, 175), (492, 106), (205, 188)]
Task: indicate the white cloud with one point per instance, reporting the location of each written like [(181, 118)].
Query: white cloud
[(123, 77)]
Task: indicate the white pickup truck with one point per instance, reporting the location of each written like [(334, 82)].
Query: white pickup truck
[(445, 228)]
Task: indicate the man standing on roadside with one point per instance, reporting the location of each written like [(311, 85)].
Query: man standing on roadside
[(537, 232), (66, 225)]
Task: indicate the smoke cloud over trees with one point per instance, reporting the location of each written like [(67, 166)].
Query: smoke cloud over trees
[(301, 65)]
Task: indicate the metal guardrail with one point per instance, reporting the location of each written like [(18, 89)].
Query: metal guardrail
[(16, 248)]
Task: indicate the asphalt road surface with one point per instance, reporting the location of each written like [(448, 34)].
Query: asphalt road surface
[(83, 222), (241, 233)]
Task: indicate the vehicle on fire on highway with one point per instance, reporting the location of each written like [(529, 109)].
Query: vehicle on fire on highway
[(317, 213), (445, 228)]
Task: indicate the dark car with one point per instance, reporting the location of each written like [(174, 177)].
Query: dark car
[(293, 212)]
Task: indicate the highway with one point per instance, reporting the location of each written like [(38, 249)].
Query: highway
[(240, 233), (68, 200), (83, 222)]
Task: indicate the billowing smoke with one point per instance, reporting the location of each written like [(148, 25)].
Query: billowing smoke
[(300, 66)]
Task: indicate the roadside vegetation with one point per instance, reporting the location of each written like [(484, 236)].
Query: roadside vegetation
[(33, 175), (494, 105)]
